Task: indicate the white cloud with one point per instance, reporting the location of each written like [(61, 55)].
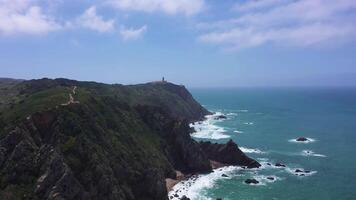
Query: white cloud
[(187, 7), (89, 19), (296, 23), (258, 4), (131, 33), (23, 16)]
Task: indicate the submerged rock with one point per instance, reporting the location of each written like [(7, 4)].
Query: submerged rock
[(302, 139), (220, 117), (251, 181), (184, 198), (279, 165)]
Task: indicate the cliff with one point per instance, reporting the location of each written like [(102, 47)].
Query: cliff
[(65, 139)]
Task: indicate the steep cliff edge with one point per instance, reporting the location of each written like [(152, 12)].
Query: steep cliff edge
[(228, 154), (65, 139)]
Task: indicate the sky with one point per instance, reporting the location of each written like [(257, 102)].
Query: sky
[(198, 43)]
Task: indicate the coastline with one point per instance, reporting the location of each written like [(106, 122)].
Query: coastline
[(170, 183)]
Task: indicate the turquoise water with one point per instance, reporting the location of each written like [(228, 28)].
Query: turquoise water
[(265, 120)]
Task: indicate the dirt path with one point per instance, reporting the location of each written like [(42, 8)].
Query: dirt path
[(71, 98)]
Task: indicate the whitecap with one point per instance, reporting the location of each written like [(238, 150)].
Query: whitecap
[(263, 179), (244, 111), (249, 150), (248, 123), (231, 114), (195, 186), (311, 153), (303, 172), (238, 131), (309, 140), (208, 129)]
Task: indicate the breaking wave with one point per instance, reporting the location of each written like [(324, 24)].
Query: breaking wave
[(208, 129)]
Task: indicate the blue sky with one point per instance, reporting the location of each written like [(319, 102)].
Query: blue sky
[(198, 43)]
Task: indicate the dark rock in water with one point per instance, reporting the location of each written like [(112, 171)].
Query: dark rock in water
[(279, 165), (270, 178), (269, 164), (228, 153), (220, 117), (301, 174), (251, 181), (224, 175), (302, 139), (218, 198), (298, 171), (306, 171), (176, 195), (184, 198)]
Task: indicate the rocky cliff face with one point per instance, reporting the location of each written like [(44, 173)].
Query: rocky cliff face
[(115, 142), (228, 153)]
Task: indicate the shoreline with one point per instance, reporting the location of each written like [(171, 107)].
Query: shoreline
[(170, 183)]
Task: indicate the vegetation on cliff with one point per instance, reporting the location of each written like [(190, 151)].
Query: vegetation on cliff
[(65, 139)]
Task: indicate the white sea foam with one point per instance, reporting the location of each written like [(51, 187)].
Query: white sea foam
[(309, 140), (243, 111), (311, 153), (249, 150), (263, 179), (248, 123), (300, 174), (193, 187), (208, 129), (231, 114), (238, 131)]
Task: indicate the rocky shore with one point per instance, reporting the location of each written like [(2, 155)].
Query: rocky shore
[(120, 142)]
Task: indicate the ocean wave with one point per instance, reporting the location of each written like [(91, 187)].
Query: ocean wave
[(309, 140), (311, 153), (238, 131), (301, 172), (194, 187), (207, 129), (264, 179), (231, 114), (243, 111), (248, 123), (249, 150), (291, 170)]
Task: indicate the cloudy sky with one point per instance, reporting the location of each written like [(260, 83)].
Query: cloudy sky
[(199, 43)]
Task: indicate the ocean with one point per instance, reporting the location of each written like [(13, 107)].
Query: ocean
[(265, 122)]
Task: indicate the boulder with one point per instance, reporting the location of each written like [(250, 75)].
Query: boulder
[(184, 198), (219, 117), (228, 153), (279, 165), (251, 181), (302, 139)]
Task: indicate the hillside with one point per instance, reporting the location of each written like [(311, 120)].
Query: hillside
[(65, 139)]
